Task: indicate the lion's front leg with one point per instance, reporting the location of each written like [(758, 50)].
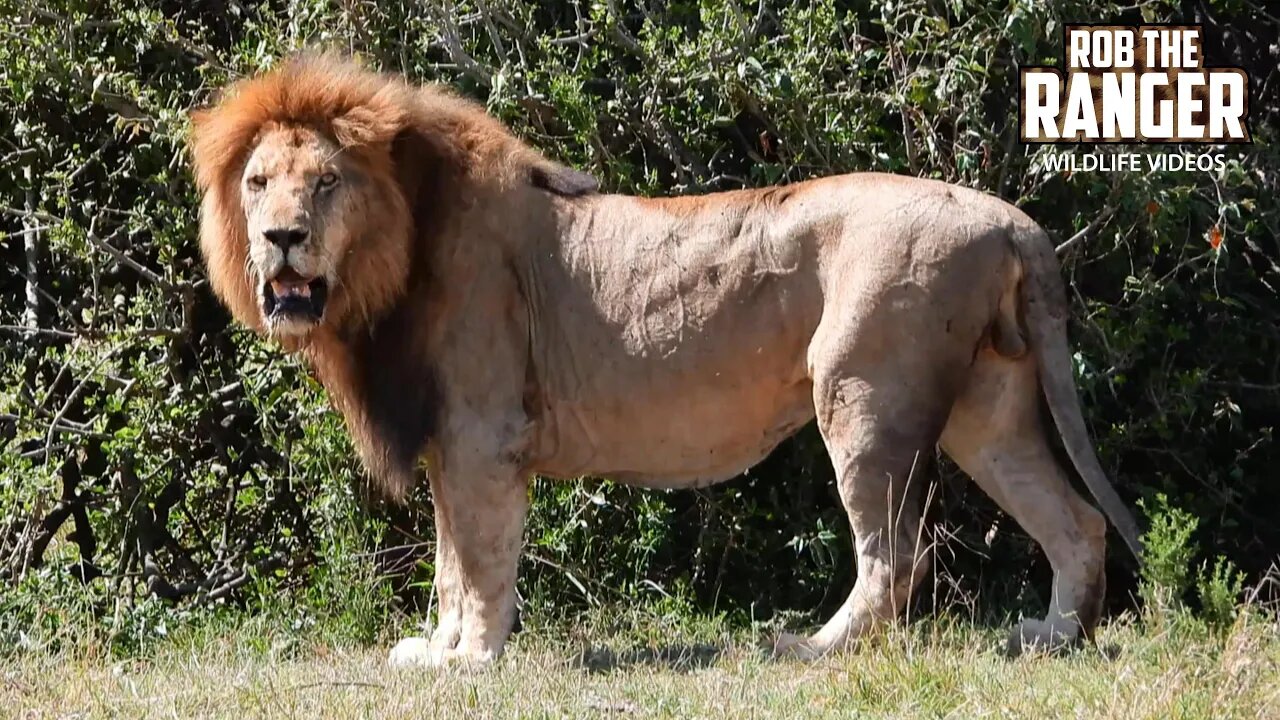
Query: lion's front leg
[(486, 513), (447, 585), (480, 511)]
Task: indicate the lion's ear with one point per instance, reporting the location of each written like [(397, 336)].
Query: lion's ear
[(563, 180), (366, 126)]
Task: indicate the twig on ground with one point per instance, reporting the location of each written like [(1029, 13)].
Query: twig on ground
[(334, 683)]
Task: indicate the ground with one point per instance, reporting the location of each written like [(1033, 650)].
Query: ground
[(932, 668)]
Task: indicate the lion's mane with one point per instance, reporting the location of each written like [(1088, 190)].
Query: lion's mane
[(425, 152)]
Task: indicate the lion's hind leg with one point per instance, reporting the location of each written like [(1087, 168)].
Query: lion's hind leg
[(996, 435), (880, 433)]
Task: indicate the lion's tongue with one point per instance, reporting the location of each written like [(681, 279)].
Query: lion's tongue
[(290, 287)]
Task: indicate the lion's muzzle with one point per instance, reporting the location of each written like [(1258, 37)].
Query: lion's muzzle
[(289, 299)]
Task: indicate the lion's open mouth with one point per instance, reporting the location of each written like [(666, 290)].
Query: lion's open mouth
[(290, 296)]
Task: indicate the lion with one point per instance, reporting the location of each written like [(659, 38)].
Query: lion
[(478, 310)]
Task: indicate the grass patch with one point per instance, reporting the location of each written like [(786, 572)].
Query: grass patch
[(648, 664)]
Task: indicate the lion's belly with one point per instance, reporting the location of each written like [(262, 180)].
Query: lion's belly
[(687, 433), (676, 409)]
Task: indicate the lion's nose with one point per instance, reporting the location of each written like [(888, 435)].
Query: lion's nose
[(285, 238)]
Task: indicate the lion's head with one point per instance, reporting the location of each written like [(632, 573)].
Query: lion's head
[(305, 204), (330, 193), (305, 220)]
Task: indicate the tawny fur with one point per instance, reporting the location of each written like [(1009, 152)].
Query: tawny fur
[(495, 317)]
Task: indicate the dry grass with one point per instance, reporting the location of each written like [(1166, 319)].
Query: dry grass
[(930, 669)]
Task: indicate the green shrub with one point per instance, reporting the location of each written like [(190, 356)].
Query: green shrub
[(1167, 555), (1220, 591), (1168, 564)]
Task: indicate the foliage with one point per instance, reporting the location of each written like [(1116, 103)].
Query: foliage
[(1220, 590), (1168, 552), (155, 460)]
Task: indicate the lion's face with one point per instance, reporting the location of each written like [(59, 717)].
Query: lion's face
[(297, 190)]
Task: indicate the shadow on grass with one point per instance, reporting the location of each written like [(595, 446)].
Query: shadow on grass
[(680, 658)]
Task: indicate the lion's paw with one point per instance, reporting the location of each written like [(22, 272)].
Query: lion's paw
[(1038, 636), (418, 652), (796, 647), (411, 652)]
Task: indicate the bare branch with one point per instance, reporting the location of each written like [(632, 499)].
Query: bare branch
[(1102, 217), (88, 334), (443, 14), (75, 395), (579, 39), (32, 249), (619, 32), (92, 236)]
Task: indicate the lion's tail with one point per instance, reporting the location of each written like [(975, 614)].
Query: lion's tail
[(1044, 308)]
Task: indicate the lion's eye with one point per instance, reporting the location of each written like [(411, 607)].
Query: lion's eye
[(257, 182), (328, 180)]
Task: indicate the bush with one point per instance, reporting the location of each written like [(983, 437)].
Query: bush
[(1220, 591), (1167, 555), (154, 455), (1167, 580)]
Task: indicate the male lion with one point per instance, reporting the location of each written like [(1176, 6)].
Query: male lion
[(468, 303)]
